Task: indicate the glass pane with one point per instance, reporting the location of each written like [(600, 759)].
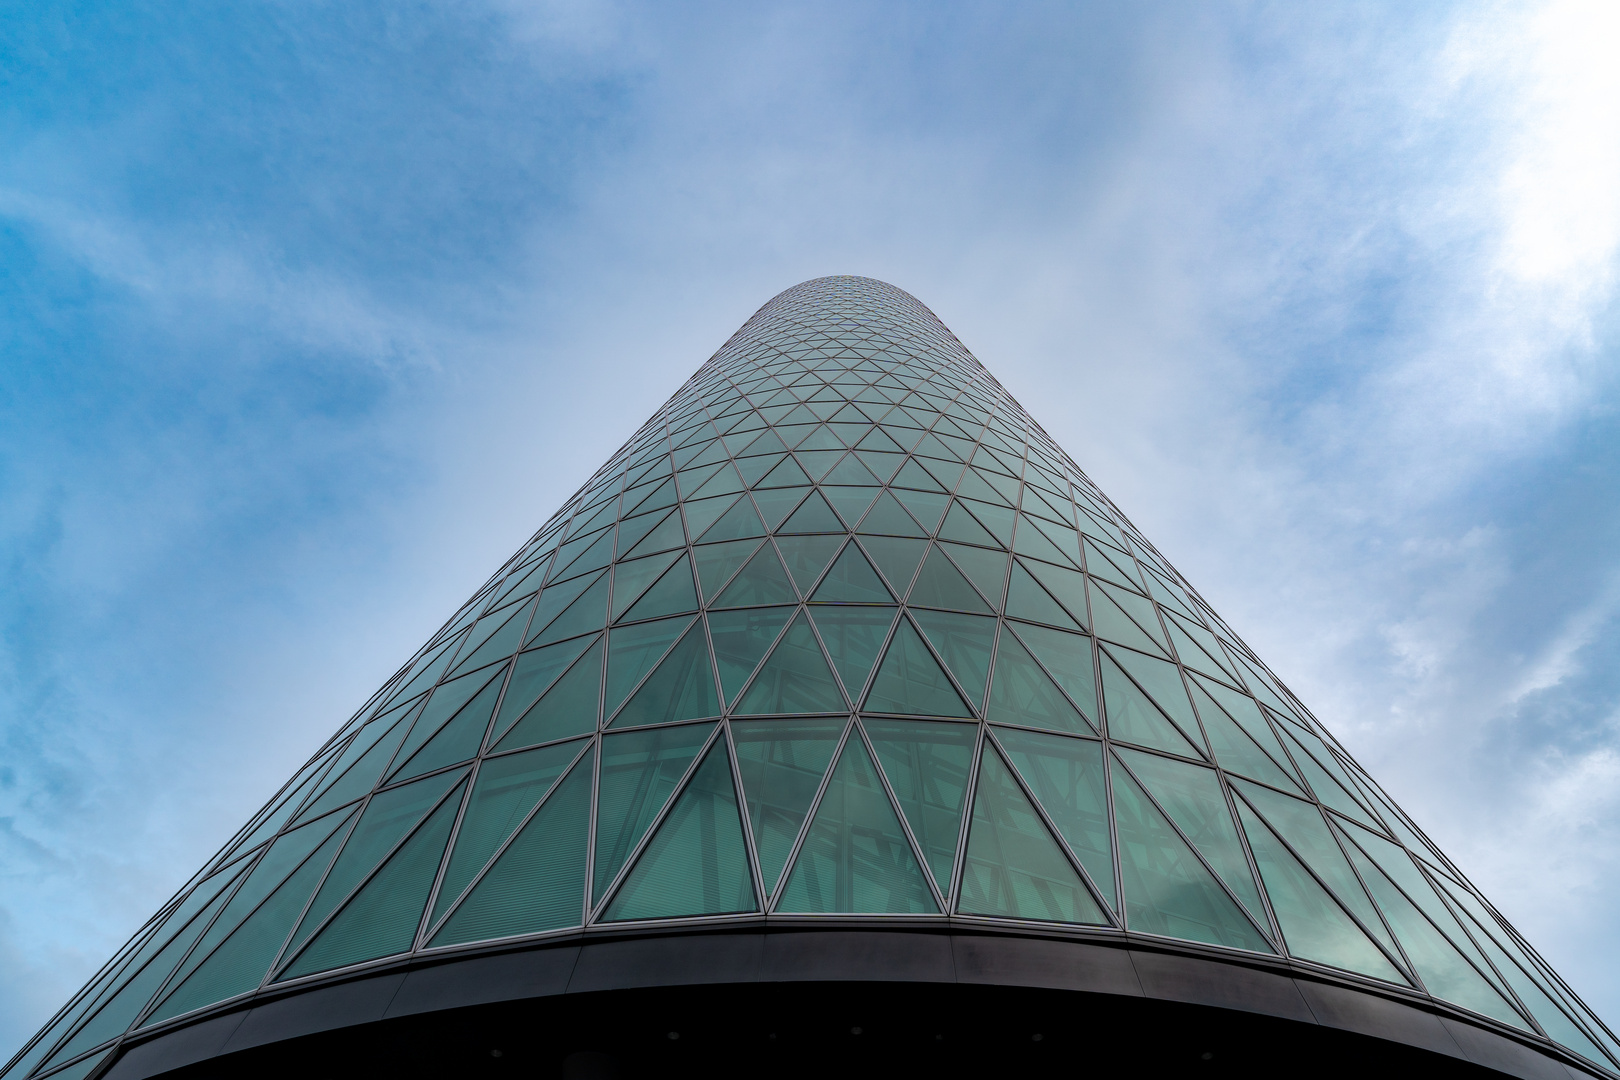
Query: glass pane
[(240, 963), (1192, 796), (1163, 684), (962, 527), (887, 518), (1014, 868), (1112, 624), (697, 863), (1067, 658), (853, 635), (1234, 749), (585, 614), (813, 516), (1132, 716), (630, 579), (671, 593), (762, 581), (782, 763), (941, 585), (965, 641), (1068, 586), (855, 857), (383, 917), (639, 771), (568, 708), (538, 882), (850, 502), (852, 581), (740, 638), (457, 740), (1301, 826), (1021, 693), (1313, 926), (987, 569), (536, 670), (911, 681), (1066, 776), (507, 789), (1167, 890), (717, 562), (926, 506), (682, 688), (632, 652), (897, 557), (737, 519), (795, 678), (927, 764), (807, 557), (387, 818)]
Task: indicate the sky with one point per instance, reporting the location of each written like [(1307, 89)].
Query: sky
[(310, 313)]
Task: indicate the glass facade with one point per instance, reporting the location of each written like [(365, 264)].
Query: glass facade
[(839, 632)]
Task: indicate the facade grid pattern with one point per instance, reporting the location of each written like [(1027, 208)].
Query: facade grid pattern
[(840, 634)]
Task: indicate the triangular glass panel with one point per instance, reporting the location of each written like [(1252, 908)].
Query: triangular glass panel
[(911, 681), (963, 528), (1014, 869), (1234, 749), (457, 740), (817, 462), (852, 581), (1111, 565), (495, 637), (786, 474), (997, 519), (383, 917), (813, 516), (668, 533), (1067, 658), (925, 506), (940, 584), (1112, 624), (508, 787), (538, 882), (1132, 716), (897, 557), (1192, 796), (886, 518), (795, 678), (476, 692), (1023, 694), (697, 862), (762, 581), (850, 502), (913, 475), (965, 642), (733, 520), (536, 670), (1167, 889), (1067, 586), (781, 763), (682, 688), (740, 638), (671, 593), (1246, 712), (883, 465), (1066, 776), (1300, 824), (1162, 681), (853, 634), (632, 652), (559, 598), (848, 472), (640, 769), (1314, 926), (568, 708), (985, 568), (879, 439), (631, 579), (1028, 601), (1031, 542), (717, 562), (775, 504), (974, 486), (927, 763), (855, 857), (243, 958), (585, 614)]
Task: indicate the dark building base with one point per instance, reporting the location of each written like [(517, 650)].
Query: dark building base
[(834, 1004)]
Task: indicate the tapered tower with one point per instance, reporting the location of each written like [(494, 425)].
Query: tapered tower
[(838, 722)]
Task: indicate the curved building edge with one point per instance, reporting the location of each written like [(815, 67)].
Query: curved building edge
[(1130, 970)]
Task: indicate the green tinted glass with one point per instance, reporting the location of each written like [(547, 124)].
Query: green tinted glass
[(1066, 776), (856, 857), (1013, 867), (910, 680), (639, 771), (794, 679), (927, 764)]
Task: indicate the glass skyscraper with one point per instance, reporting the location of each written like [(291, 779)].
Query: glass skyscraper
[(840, 687)]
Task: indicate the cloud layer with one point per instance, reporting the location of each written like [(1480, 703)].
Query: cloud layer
[(312, 313)]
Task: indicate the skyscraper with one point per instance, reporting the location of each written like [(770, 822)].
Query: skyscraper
[(838, 720)]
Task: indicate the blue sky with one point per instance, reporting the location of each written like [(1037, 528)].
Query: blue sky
[(310, 313)]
